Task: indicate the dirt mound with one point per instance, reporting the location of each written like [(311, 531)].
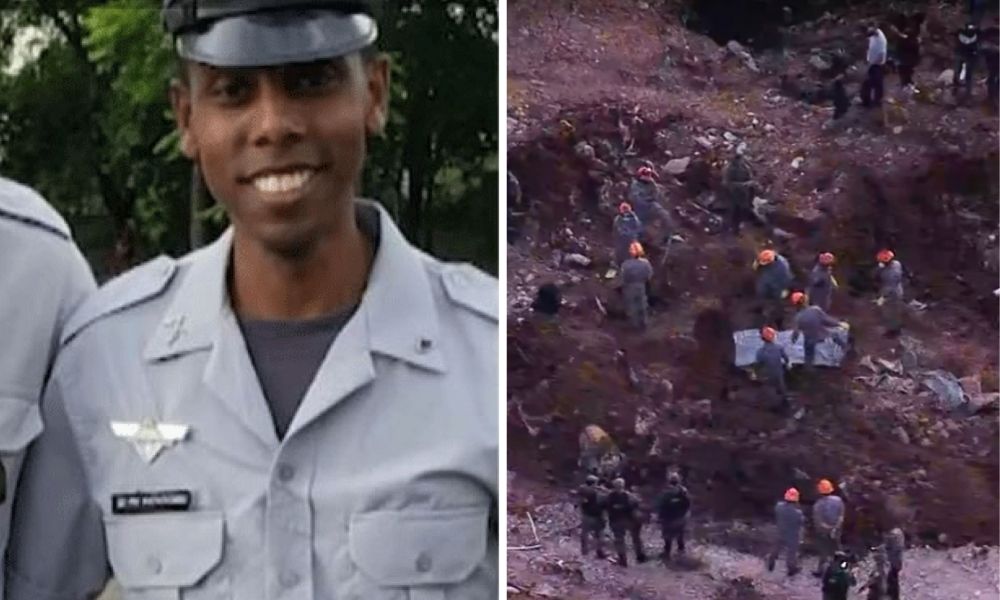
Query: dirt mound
[(583, 368)]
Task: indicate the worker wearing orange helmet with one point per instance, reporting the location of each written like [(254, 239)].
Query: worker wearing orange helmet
[(635, 275), (828, 521), (813, 324), (646, 198), (774, 275), (822, 282), (789, 519), (890, 296), (770, 365), (627, 228)]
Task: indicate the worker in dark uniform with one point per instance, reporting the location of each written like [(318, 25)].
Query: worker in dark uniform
[(838, 579), (789, 519), (740, 189), (672, 509), (770, 365), (814, 325), (967, 52), (774, 275), (636, 272), (591, 500), (623, 509)]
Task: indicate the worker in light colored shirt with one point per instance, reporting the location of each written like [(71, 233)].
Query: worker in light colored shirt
[(872, 88)]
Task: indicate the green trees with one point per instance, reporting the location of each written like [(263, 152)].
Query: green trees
[(84, 118)]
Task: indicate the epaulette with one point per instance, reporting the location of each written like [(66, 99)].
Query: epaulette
[(472, 289), (131, 288), (24, 205)]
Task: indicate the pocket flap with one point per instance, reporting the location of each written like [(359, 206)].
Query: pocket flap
[(164, 549), (426, 547), (20, 423)]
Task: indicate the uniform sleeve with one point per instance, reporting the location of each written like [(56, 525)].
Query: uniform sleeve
[(79, 283), (57, 548), (829, 321)]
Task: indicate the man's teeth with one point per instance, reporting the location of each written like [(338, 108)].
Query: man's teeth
[(282, 183)]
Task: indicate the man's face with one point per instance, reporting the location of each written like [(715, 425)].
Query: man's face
[(282, 147)]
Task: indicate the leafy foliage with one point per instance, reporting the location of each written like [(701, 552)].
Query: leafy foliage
[(85, 119)]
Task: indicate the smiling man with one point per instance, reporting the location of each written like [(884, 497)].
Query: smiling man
[(307, 408)]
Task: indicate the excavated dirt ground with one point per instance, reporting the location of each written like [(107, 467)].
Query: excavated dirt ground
[(926, 185)]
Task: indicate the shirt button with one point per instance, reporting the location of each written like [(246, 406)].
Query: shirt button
[(424, 562), (424, 345), (154, 565), (286, 472), (289, 579)]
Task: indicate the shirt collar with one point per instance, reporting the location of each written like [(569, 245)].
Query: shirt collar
[(398, 306)]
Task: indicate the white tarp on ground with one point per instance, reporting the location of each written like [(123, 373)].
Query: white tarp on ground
[(748, 342)]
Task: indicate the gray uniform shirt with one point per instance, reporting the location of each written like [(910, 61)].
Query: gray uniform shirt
[(895, 545), (820, 286), (828, 512), (627, 227), (737, 172), (382, 488), (644, 196), (788, 517), (772, 360), (43, 277), (891, 280), (636, 272), (774, 278), (812, 322)]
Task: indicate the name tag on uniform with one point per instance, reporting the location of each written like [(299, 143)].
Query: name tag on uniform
[(150, 502)]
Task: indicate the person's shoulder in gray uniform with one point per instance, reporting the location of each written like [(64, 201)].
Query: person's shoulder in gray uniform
[(33, 235), (43, 277)]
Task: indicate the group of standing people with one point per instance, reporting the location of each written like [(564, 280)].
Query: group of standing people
[(833, 566), (969, 49), (622, 510), (643, 208), (812, 319)]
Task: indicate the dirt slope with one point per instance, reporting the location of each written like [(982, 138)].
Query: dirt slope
[(926, 185)]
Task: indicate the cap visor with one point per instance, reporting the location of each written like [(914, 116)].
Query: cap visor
[(273, 38)]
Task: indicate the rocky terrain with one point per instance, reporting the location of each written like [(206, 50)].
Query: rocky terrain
[(909, 424)]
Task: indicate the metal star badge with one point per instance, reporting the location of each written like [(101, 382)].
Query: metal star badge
[(149, 437)]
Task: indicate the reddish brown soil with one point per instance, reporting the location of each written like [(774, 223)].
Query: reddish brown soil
[(907, 191)]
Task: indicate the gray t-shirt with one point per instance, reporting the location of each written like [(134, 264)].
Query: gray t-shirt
[(286, 354)]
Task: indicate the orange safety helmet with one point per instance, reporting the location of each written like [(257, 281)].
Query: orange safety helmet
[(826, 259), (825, 487), (885, 255), (766, 257), (635, 249), (797, 298), (792, 495), (645, 172), (624, 207), (768, 334)]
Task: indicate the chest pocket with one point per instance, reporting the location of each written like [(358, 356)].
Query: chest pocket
[(419, 552), (164, 556)]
